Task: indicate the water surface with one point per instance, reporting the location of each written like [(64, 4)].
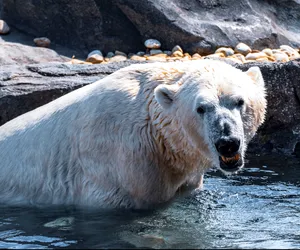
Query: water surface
[(258, 208)]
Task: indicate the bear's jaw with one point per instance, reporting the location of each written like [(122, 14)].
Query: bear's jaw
[(231, 164)]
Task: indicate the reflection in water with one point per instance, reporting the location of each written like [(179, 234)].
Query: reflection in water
[(258, 208)]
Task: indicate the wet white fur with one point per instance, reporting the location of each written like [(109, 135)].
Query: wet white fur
[(118, 142)]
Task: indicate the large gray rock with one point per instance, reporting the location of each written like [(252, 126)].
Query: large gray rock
[(197, 25), (281, 130), (16, 53), (26, 87), (23, 88)]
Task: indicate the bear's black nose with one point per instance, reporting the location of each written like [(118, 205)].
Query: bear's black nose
[(228, 147)]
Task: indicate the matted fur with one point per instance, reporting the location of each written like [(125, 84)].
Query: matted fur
[(115, 143)]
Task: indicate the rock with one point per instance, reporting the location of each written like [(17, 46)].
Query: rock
[(95, 57), (255, 56), (15, 53), (137, 58), (152, 44), (4, 28), (168, 52), (25, 87), (200, 26), (42, 42), (216, 55), (239, 57), (177, 53), (293, 57), (262, 59), (196, 56), (289, 50), (187, 55), (118, 58), (225, 51), (62, 223), (282, 124), (281, 57), (233, 60), (140, 53), (242, 48), (120, 53), (155, 52), (157, 58), (76, 61), (177, 48), (110, 54), (267, 51)]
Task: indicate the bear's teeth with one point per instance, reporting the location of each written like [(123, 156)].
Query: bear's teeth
[(229, 159)]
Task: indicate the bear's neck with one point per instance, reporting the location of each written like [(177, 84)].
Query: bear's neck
[(173, 149)]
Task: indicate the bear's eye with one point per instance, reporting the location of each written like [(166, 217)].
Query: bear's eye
[(200, 110), (240, 102)]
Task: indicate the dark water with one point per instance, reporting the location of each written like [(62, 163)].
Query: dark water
[(259, 208)]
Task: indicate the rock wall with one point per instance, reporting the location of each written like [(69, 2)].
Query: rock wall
[(197, 25), (25, 87)]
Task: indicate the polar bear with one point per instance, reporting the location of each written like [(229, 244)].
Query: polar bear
[(132, 139)]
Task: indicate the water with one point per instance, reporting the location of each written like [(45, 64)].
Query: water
[(259, 208)]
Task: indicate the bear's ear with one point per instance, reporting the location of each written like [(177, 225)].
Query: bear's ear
[(164, 95), (256, 76)]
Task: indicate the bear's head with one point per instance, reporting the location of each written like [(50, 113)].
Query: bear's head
[(217, 109)]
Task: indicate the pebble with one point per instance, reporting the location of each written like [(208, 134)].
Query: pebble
[(293, 57), (120, 53), (187, 55), (177, 54), (262, 59), (289, 50), (155, 52), (281, 57), (177, 48), (268, 52), (152, 44), (137, 58), (95, 57), (156, 58), (168, 52), (110, 54), (196, 56), (76, 61), (249, 61), (4, 28), (42, 42), (240, 57), (173, 59), (141, 53), (242, 48), (225, 51), (234, 60), (217, 55), (118, 58), (255, 56), (283, 54)]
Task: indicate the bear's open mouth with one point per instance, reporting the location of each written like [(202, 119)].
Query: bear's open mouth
[(231, 164)]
